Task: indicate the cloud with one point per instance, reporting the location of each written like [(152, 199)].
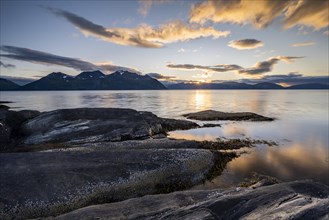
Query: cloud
[(182, 50), (245, 44), (266, 66), (39, 57), (258, 68), (112, 35), (143, 35), (6, 65), (216, 68), (109, 67), (307, 12), (161, 77), (302, 30), (326, 33), (145, 5), (289, 79), (112, 68), (302, 12), (302, 44), (35, 56), (238, 12), (203, 76)]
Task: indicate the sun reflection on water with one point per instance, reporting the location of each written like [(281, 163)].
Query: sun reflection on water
[(200, 100)]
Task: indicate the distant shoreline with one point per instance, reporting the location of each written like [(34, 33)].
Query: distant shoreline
[(125, 80), (151, 90)]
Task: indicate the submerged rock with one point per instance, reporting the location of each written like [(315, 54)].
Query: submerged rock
[(292, 200), (211, 115)]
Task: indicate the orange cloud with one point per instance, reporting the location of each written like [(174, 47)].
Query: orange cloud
[(307, 12), (144, 35), (173, 32), (260, 14), (302, 12)]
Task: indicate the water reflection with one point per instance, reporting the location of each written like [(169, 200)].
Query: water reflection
[(302, 153), (259, 101), (291, 162), (200, 99), (302, 119), (288, 104)]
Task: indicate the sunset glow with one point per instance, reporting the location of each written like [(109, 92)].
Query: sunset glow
[(189, 41)]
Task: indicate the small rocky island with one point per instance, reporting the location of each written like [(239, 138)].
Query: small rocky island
[(211, 115), (118, 164)]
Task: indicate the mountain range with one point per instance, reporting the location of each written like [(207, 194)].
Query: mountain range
[(236, 85), (125, 80), (94, 80)]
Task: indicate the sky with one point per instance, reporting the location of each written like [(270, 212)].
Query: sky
[(283, 41)]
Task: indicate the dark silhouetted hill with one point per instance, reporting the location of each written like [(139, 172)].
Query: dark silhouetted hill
[(266, 85), (95, 80), (310, 86), (6, 85), (224, 85)]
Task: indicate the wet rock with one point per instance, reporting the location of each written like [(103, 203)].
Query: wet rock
[(37, 184), (85, 125), (292, 200), (258, 180), (28, 114), (5, 132), (4, 107), (208, 125), (10, 122), (211, 115), (173, 124)]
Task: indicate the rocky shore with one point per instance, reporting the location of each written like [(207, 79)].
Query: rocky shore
[(292, 200), (118, 163)]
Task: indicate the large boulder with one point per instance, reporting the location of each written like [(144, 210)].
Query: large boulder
[(36, 184), (85, 125), (292, 200)]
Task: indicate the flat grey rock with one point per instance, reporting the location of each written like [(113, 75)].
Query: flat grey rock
[(39, 184), (87, 125)]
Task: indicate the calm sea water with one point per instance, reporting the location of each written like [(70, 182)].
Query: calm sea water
[(301, 128)]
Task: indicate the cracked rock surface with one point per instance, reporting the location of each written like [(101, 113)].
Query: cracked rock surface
[(291, 200), (37, 184)]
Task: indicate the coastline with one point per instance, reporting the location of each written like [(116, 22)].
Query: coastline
[(70, 159)]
